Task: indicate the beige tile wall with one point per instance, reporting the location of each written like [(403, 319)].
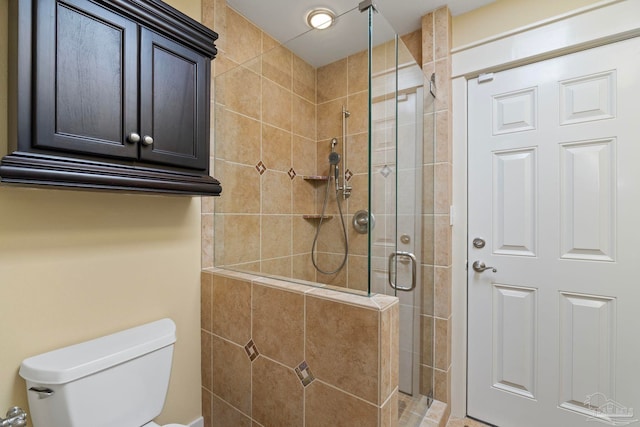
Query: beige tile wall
[(343, 84), (264, 209), (274, 118), (264, 129), (436, 268), (262, 339)]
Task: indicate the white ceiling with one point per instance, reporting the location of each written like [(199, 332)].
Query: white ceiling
[(285, 20)]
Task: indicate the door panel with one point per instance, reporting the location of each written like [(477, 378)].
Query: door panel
[(515, 339), (554, 150), (515, 219), (86, 90), (173, 99), (587, 345), (588, 200)]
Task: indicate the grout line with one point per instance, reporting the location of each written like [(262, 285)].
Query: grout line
[(304, 355), (251, 285), (291, 189), (227, 340), (347, 393), (262, 176), (230, 405)]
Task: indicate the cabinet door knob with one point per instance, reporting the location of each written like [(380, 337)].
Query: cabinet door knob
[(147, 140), (133, 138)]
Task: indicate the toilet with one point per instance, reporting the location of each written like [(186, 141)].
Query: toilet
[(119, 380)]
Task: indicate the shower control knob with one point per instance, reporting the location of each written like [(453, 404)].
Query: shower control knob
[(361, 220)]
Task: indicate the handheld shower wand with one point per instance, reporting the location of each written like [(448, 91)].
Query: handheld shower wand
[(334, 160)]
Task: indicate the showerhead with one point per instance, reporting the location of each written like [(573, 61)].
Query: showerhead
[(334, 158)]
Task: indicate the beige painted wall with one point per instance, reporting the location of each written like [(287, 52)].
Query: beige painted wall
[(75, 265), (506, 15)]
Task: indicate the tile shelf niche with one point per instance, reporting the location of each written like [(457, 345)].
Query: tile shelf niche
[(316, 178), (314, 216)]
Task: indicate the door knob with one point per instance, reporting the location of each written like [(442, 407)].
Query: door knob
[(479, 267), (147, 140)]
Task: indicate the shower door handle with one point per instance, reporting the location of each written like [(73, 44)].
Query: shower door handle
[(412, 258)]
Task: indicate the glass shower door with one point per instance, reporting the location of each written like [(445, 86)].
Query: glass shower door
[(401, 187), (382, 151)]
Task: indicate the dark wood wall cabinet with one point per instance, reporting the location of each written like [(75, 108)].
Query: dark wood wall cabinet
[(109, 94)]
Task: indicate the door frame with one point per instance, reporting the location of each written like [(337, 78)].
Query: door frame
[(599, 24)]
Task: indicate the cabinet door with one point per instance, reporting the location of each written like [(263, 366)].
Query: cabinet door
[(174, 101), (86, 79)]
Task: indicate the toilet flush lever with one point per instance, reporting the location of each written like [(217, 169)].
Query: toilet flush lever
[(42, 392), (16, 417)]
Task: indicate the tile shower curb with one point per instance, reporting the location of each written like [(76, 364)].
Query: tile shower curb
[(437, 415), (378, 302)]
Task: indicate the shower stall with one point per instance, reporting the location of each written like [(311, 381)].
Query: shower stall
[(327, 168)]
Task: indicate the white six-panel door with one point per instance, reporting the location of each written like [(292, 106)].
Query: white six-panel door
[(554, 191)]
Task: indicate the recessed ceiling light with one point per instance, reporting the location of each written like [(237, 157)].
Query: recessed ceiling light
[(320, 18)]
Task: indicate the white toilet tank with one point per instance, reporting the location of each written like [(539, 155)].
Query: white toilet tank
[(119, 380)]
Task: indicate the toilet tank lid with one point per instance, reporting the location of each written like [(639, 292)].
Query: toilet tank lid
[(76, 361)]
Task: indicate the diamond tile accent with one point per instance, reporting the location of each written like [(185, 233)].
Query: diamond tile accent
[(292, 173), (252, 350), (261, 168), (348, 174), (385, 171), (304, 373)]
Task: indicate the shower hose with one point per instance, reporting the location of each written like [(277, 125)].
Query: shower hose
[(344, 231)]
